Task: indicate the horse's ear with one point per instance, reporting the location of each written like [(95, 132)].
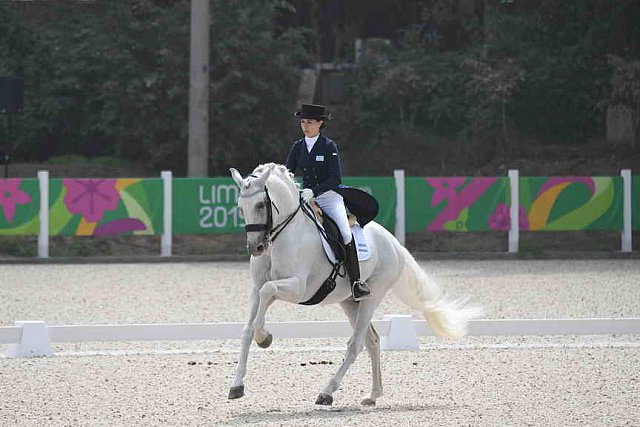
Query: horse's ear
[(237, 177), (262, 181)]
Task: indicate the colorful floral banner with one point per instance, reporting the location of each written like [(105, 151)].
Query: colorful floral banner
[(457, 204), (570, 203), (19, 206), (134, 206), (98, 207)]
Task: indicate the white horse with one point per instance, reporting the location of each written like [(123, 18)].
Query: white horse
[(287, 263)]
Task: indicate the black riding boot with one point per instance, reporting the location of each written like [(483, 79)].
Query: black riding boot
[(359, 288)]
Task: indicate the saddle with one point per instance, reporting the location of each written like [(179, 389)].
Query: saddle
[(362, 208), (331, 228)]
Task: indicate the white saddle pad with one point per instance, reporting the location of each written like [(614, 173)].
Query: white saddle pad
[(361, 243)]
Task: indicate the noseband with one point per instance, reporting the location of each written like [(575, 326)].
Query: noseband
[(271, 232)]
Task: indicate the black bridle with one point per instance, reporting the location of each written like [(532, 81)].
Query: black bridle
[(271, 232)]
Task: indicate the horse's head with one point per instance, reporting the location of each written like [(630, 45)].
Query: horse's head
[(255, 205)]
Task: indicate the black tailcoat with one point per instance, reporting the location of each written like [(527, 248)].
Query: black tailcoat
[(321, 169)]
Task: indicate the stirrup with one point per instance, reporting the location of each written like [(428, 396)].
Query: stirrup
[(363, 289)]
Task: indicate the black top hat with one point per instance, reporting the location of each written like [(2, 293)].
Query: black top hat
[(311, 111)]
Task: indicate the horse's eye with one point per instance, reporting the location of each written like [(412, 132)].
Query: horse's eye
[(260, 206)]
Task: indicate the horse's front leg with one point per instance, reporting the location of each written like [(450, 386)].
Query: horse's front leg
[(289, 289), (263, 337), (237, 386), (366, 309)]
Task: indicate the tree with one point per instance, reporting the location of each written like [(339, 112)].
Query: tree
[(400, 85), (493, 86), (625, 91), (116, 74)]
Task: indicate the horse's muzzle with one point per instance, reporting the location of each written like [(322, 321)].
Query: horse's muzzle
[(257, 250)]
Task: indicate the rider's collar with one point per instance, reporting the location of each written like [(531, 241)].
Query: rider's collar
[(311, 141)]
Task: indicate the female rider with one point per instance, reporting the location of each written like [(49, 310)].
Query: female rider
[(318, 159)]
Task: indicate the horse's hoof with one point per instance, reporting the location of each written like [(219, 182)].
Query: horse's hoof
[(236, 392), (266, 342), (368, 402), (324, 399)]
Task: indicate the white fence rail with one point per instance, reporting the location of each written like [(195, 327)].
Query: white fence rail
[(398, 332)]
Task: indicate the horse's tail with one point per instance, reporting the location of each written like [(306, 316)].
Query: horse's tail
[(446, 316)]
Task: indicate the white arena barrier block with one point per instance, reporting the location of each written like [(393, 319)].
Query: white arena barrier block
[(402, 333), (34, 341)]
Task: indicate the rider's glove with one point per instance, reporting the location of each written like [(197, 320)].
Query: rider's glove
[(306, 195)]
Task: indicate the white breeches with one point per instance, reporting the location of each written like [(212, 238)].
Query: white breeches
[(333, 205)]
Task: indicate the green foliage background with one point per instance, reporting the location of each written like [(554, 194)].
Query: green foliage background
[(110, 79), (551, 55)]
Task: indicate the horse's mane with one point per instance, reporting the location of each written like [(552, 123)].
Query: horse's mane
[(280, 171)]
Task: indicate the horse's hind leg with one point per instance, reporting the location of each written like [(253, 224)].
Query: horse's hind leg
[(354, 347), (372, 344)]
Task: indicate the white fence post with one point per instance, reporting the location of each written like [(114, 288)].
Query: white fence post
[(43, 235), (34, 341), (167, 233), (514, 212), (398, 175), (626, 210), (402, 333)]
